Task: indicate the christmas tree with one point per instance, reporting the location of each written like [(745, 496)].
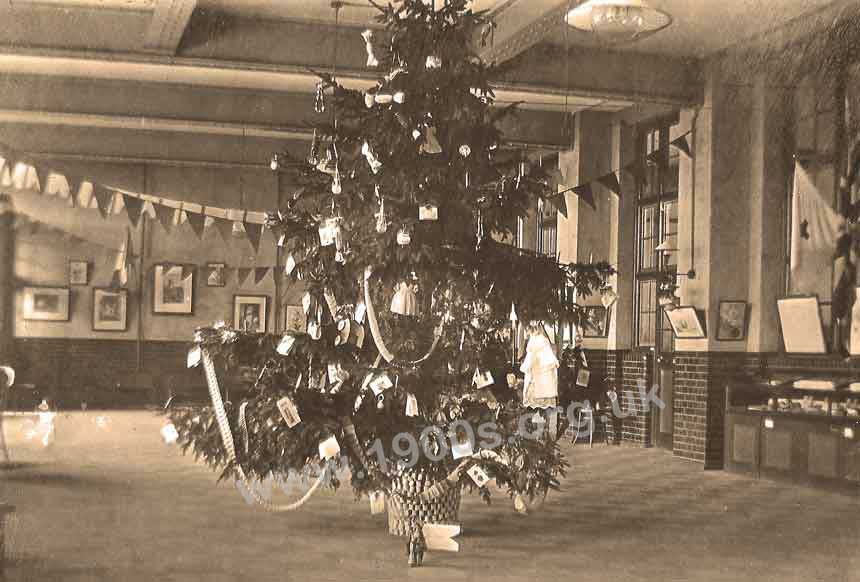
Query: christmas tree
[(398, 229)]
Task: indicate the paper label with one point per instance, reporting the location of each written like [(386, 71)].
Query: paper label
[(478, 475), (360, 311), (291, 264), (428, 212), (285, 345), (329, 231), (411, 405), (461, 448), (380, 384), (289, 411), (377, 502), (482, 379), (329, 448), (403, 237), (194, 356), (306, 302)]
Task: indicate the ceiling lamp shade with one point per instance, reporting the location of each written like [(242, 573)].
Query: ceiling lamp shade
[(618, 21)]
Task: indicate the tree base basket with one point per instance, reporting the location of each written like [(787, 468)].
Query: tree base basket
[(404, 506)]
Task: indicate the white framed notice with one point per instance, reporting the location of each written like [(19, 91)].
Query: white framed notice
[(801, 326)]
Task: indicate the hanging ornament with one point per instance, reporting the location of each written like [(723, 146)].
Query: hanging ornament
[(335, 183), (329, 231), (403, 237), (480, 233), (411, 405), (433, 62), (380, 401), (372, 61), (381, 221), (394, 72), (319, 98), (367, 152), (399, 97), (328, 164), (369, 100), (467, 180), (428, 212), (431, 144), (313, 156), (416, 134), (404, 301), (383, 98), (465, 150)]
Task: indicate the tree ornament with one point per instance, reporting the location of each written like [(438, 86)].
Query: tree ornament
[(431, 144), (372, 61), (428, 212), (416, 134), (433, 62), (399, 97), (313, 155), (328, 164), (319, 98), (381, 221), (403, 237), (367, 152), (335, 183), (380, 401), (465, 150), (369, 100), (404, 301)]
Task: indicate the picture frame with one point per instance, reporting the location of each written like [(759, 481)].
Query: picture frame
[(215, 275), (800, 325), (46, 303), (250, 312), (685, 323), (295, 319), (595, 321), (173, 290), (78, 272), (583, 377), (110, 309), (732, 319)]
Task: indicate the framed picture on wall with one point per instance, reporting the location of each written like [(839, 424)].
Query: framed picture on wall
[(295, 319), (215, 275), (173, 290), (46, 303), (250, 312), (732, 320), (110, 309), (800, 325), (686, 323), (595, 321), (78, 272)]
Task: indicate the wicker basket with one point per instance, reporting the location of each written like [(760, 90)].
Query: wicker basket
[(404, 504)]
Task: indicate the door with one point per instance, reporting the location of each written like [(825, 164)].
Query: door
[(663, 413)]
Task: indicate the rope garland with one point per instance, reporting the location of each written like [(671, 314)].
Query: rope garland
[(229, 445)]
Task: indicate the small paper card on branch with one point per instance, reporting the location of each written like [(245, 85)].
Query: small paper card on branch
[(329, 448), (329, 231), (411, 405), (289, 411), (461, 446), (478, 475), (428, 212), (582, 377), (439, 537), (380, 384), (194, 356), (482, 379), (291, 264), (286, 345), (360, 311), (377, 502)]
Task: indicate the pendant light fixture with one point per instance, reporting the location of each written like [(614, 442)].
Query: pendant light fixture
[(618, 21)]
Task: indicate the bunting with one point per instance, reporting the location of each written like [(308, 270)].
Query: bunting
[(242, 274), (611, 182), (260, 274), (254, 232), (133, 208), (165, 215), (683, 145), (197, 223), (585, 193)]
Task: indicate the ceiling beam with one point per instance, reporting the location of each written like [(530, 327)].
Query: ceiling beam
[(518, 25), (169, 20)]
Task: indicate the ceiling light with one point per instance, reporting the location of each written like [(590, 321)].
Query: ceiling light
[(618, 21)]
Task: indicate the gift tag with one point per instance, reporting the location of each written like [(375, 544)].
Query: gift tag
[(359, 336), (282, 239), (328, 231), (478, 475), (403, 237), (329, 448), (377, 502), (461, 449), (411, 405), (289, 411), (286, 345), (360, 311), (169, 433), (306, 302), (330, 301), (291, 264), (194, 356), (380, 384), (482, 379), (428, 212), (314, 330)]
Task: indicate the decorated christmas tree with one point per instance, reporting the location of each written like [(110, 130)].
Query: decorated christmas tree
[(398, 231)]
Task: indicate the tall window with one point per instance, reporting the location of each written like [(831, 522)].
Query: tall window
[(547, 232), (657, 225)]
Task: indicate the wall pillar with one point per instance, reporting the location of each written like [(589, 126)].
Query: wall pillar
[(7, 281)]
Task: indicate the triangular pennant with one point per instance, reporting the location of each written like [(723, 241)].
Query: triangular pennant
[(165, 215), (637, 170), (103, 198), (260, 274), (610, 181), (133, 207), (585, 193), (254, 232), (683, 145), (74, 183), (242, 274), (197, 222), (655, 157), (38, 178), (560, 202), (225, 227)]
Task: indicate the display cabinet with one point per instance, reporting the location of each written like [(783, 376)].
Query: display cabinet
[(792, 426)]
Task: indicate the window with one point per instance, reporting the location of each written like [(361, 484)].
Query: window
[(657, 225), (547, 232)]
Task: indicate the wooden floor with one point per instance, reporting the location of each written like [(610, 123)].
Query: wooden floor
[(108, 500)]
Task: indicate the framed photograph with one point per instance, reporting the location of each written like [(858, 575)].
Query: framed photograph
[(110, 309), (295, 319), (250, 312), (173, 290), (801, 326), (46, 303), (686, 323), (215, 275), (583, 377), (595, 321), (78, 272), (732, 320)]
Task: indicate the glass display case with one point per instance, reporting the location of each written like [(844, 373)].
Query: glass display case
[(795, 426)]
